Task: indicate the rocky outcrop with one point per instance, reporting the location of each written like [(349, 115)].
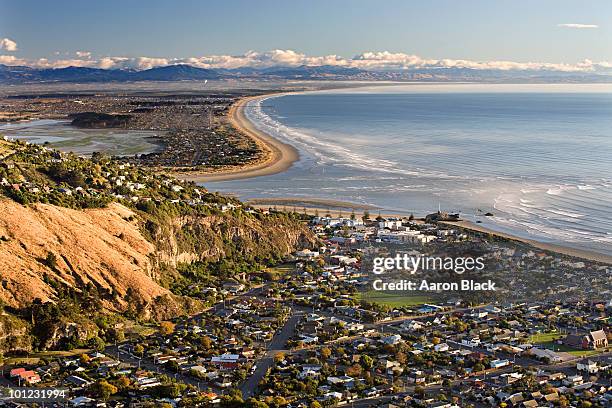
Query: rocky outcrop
[(116, 257), (117, 250), (193, 238)]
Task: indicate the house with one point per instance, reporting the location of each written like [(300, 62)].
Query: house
[(590, 367), (226, 361), (77, 381), (499, 363), (549, 355), (391, 340), (306, 254), (411, 325), (591, 341), (15, 372), (81, 401), (597, 339), (233, 287), (30, 377), (441, 347), (573, 380)]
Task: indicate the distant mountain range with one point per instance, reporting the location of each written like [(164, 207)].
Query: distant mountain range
[(23, 74)]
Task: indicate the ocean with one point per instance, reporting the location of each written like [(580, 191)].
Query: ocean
[(538, 157)]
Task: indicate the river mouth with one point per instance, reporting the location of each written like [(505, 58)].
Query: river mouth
[(61, 135)]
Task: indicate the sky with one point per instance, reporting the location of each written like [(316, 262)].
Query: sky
[(575, 34)]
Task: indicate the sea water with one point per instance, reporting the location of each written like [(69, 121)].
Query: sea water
[(538, 157)]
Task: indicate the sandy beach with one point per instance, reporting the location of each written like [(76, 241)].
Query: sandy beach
[(279, 156)]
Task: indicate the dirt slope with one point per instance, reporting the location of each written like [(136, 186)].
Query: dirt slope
[(101, 246)]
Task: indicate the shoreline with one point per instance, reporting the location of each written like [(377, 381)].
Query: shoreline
[(343, 208), (279, 155), (557, 248)]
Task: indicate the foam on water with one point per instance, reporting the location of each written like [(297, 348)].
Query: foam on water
[(540, 162)]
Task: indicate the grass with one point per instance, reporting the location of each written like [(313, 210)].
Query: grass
[(547, 340), (283, 269), (540, 338), (137, 329), (34, 358), (393, 299), (562, 348)]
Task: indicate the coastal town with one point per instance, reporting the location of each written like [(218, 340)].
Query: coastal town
[(313, 331), (320, 204), (192, 132), (317, 327)]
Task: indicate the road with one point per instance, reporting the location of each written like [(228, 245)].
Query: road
[(150, 365), (277, 345)]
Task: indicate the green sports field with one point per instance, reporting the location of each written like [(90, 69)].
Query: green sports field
[(393, 299)]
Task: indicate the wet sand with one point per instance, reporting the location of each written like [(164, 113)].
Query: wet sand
[(279, 156)]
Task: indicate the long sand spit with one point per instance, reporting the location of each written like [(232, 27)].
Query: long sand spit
[(279, 156)]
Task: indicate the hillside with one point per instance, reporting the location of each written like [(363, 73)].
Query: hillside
[(99, 246), (81, 239)]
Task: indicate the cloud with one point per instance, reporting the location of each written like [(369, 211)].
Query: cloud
[(370, 60), (11, 60), (577, 25), (8, 44)]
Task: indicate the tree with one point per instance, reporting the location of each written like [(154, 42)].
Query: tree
[(166, 328), (366, 361), (401, 357), (51, 260), (325, 353), (96, 343), (170, 390), (279, 357), (354, 371), (103, 389), (366, 216), (115, 335), (123, 382), (253, 403), (206, 342), (84, 358), (139, 349), (173, 365)]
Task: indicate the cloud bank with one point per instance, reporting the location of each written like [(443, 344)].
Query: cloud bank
[(8, 45), (372, 60)]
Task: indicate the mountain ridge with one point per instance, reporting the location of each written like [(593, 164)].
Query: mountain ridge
[(186, 72)]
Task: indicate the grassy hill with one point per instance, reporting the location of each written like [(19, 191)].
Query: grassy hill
[(101, 238)]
